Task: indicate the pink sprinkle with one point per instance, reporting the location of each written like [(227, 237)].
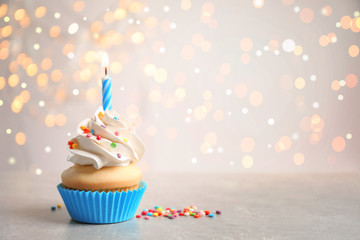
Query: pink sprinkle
[(147, 218), (89, 135), (116, 133), (98, 137), (119, 155)]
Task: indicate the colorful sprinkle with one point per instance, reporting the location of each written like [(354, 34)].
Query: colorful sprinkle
[(59, 205), (147, 218), (138, 216), (103, 126), (70, 143), (53, 208), (82, 127), (86, 130), (119, 155), (92, 131), (100, 115), (172, 213), (89, 135), (74, 146), (98, 137), (126, 140), (113, 145), (116, 133), (116, 118)]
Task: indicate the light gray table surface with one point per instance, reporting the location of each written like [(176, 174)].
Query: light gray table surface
[(254, 206)]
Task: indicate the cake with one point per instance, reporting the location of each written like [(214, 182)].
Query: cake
[(104, 185)]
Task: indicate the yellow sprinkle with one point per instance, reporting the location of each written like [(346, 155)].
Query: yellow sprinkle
[(59, 205), (74, 146), (82, 127), (155, 214), (100, 114), (126, 140)]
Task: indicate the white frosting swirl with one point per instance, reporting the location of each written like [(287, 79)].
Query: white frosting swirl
[(117, 145)]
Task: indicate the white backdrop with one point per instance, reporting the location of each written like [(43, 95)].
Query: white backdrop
[(248, 86)]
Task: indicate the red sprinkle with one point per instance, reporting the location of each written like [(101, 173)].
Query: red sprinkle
[(86, 130), (98, 137), (70, 143), (138, 216), (147, 217), (207, 212), (151, 210), (197, 216), (116, 133), (181, 214), (144, 213)]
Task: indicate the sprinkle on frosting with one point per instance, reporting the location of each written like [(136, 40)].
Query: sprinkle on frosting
[(115, 142)]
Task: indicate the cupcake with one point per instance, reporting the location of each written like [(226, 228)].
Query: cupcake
[(104, 185)]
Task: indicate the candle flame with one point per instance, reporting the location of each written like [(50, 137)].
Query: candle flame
[(105, 60)]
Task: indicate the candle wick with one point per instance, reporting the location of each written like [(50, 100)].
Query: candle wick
[(105, 70)]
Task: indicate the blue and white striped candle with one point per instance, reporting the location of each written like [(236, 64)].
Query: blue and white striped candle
[(106, 86)]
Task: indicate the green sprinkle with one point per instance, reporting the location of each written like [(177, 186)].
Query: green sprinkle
[(193, 214), (113, 145)]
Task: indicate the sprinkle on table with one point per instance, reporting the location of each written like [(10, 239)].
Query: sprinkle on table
[(173, 213), (59, 205), (53, 208)]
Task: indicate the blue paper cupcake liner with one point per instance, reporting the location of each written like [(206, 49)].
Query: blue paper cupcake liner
[(101, 207)]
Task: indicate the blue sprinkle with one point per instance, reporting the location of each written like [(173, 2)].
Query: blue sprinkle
[(116, 118), (156, 207), (92, 132), (149, 214), (145, 210), (211, 215), (53, 208)]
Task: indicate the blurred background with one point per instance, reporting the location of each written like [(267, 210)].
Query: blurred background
[(241, 86)]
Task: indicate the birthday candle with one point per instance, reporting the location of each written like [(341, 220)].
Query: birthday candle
[(106, 85)]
